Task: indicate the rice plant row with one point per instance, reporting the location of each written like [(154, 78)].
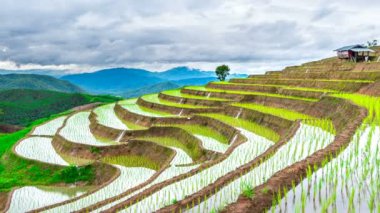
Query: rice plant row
[(77, 130), (306, 141), (107, 117), (178, 190), (41, 149), (49, 128), (178, 93), (134, 108), (129, 177)]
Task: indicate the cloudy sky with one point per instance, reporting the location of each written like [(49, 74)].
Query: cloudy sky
[(249, 35)]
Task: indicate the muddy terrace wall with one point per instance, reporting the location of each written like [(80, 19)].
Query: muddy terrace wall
[(224, 129), (294, 173), (233, 97), (102, 131), (333, 85), (345, 75), (172, 109), (267, 89), (154, 152), (195, 102), (187, 139), (372, 89), (275, 123)]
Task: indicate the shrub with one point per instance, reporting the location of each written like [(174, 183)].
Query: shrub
[(73, 174)]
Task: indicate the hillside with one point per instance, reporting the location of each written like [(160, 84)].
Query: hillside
[(121, 81), (21, 107), (272, 142), (36, 82)]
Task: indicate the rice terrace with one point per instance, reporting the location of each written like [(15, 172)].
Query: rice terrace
[(303, 138)]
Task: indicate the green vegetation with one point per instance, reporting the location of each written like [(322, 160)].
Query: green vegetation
[(73, 174), (312, 80), (279, 112), (178, 93), (371, 103), (248, 125), (247, 190), (239, 92), (202, 130), (22, 107), (153, 98), (192, 149), (16, 171), (132, 161), (222, 72)]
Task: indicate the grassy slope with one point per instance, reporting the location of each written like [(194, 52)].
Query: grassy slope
[(15, 171), (22, 107)]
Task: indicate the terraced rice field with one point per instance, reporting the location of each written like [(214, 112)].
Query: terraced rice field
[(208, 149)]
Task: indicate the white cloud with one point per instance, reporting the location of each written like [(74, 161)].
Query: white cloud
[(249, 35)]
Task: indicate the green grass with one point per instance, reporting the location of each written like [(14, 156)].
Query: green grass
[(153, 98), (239, 92), (202, 130), (193, 150), (279, 112), (248, 125), (178, 93), (132, 161), (17, 172)]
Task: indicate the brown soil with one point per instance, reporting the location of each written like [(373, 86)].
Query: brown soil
[(102, 131), (154, 152), (211, 189), (7, 128), (4, 199), (234, 97), (372, 89), (262, 200), (86, 107)]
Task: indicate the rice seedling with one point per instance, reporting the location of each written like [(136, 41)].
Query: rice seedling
[(29, 198), (241, 155), (305, 136), (107, 117), (248, 125), (41, 149), (77, 130), (154, 99), (178, 93), (132, 161), (193, 150), (279, 112), (242, 92), (129, 177), (348, 182), (134, 108), (49, 128)]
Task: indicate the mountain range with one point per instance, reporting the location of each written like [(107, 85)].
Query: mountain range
[(129, 82)]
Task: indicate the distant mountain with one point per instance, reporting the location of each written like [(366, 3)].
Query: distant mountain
[(126, 81), (180, 73), (22, 106), (36, 82), (113, 81), (55, 73), (150, 89)]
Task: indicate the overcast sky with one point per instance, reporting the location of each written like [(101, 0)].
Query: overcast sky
[(249, 35)]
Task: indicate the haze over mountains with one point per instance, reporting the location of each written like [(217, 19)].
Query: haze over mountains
[(129, 82)]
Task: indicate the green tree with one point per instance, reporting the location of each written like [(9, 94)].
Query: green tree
[(222, 72)]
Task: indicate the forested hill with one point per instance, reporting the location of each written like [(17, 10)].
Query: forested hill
[(22, 106), (36, 82)]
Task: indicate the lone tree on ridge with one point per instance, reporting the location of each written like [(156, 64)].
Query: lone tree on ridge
[(222, 71)]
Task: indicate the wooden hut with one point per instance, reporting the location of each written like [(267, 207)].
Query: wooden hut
[(354, 52)]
